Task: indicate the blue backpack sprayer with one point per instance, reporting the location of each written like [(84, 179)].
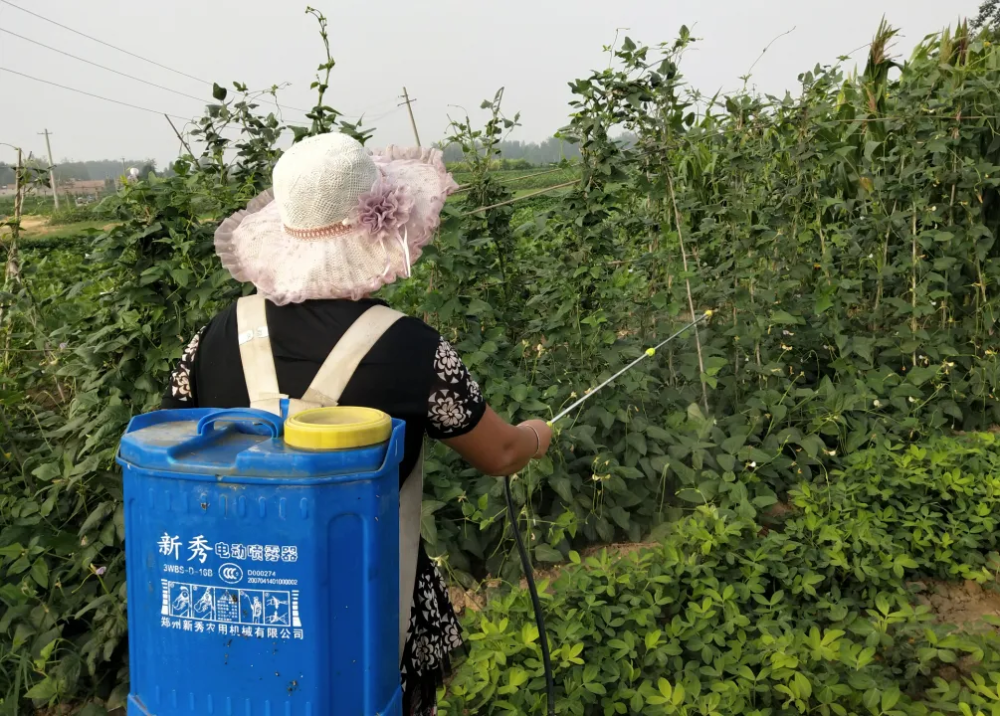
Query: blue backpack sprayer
[(263, 560)]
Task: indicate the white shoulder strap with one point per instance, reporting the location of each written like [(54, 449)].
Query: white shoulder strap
[(339, 366), (411, 497), (326, 389), (255, 353)]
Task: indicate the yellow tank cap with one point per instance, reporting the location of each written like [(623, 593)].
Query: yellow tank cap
[(339, 428)]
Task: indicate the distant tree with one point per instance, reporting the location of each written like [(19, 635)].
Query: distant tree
[(989, 16), (550, 151), (99, 169)]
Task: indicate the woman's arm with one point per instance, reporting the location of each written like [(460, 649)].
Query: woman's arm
[(498, 448), (458, 416)]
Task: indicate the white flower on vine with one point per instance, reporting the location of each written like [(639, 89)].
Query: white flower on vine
[(877, 403), (912, 399)]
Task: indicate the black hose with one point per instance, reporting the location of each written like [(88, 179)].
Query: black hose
[(550, 684)]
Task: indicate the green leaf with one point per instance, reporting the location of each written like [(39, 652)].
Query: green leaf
[(726, 462), (219, 93), (95, 518), (479, 307), (803, 685), (40, 572), (517, 677), (47, 472), (664, 687), (863, 346), (921, 374), (890, 698), (652, 638), (545, 553), (44, 690), (689, 494), (638, 441), (783, 318)]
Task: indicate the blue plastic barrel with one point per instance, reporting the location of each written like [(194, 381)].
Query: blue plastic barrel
[(262, 580)]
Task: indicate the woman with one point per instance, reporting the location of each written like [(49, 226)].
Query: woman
[(339, 224)]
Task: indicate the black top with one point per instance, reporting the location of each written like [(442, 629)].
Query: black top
[(411, 373)]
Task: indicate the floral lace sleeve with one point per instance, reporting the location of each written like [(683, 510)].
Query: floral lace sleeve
[(181, 389), (455, 404)]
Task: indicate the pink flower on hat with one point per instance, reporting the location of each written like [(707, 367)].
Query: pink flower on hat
[(385, 209)]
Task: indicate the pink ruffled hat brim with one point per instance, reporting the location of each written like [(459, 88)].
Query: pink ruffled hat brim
[(255, 248)]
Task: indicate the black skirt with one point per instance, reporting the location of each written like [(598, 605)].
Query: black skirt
[(433, 636)]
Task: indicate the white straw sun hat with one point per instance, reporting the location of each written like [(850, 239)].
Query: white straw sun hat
[(340, 222)]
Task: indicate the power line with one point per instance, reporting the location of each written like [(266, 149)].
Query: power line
[(102, 42), (89, 94), (380, 116), (129, 53), (138, 57), (103, 67)]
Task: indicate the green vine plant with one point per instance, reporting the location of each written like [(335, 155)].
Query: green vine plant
[(794, 462), (84, 351)]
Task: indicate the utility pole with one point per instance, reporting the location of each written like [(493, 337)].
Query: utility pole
[(413, 123), (52, 169), (18, 199), (11, 266)]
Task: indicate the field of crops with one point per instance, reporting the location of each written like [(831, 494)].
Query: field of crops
[(793, 510)]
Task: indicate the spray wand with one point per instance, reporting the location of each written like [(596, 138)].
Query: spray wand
[(550, 684)]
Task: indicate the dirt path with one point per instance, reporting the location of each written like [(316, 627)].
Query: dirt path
[(963, 604), (30, 225)]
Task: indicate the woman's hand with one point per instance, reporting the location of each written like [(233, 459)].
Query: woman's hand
[(496, 447), (543, 435)]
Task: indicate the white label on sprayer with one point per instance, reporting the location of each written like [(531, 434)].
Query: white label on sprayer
[(256, 600), (199, 608)]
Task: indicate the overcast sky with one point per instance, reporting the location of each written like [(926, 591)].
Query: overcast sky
[(445, 52)]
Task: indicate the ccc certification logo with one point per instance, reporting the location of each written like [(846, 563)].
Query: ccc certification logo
[(231, 573)]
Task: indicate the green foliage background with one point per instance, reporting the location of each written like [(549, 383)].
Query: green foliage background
[(845, 240)]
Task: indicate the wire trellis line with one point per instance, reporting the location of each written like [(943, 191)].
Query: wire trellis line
[(466, 187), (521, 198)]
